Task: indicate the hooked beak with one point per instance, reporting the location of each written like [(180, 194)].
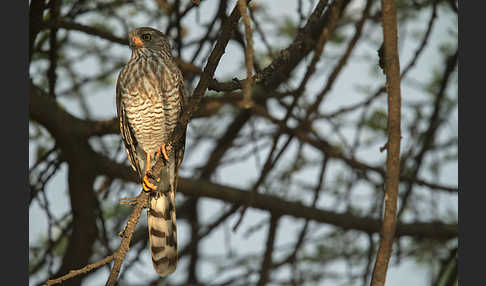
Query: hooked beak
[(136, 41)]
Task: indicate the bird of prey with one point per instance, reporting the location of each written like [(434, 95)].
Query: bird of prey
[(150, 96)]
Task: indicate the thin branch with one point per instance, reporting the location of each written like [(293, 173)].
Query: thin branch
[(428, 137), (267, 258), (249, 54), (119, 255), (392, 70), (335, 11), (335, 152), (53, 47), (280, 68), (35, 19), (423, 44), (342, 62), (267, 167), (64, 24), (207, 75), (74, 273)]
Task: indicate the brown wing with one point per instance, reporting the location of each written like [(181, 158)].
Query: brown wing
[(181, 145), (182, 142), (126, 131)]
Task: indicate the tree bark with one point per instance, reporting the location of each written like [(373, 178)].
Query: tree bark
[(392, 177)]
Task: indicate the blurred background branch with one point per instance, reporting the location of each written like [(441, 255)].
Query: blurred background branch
[(303, 160)]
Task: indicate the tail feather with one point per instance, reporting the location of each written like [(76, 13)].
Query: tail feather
[(162, 223)]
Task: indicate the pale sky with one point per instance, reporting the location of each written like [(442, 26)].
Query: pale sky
[(102, 104)]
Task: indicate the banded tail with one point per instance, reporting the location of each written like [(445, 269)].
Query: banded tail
[(162, 222)]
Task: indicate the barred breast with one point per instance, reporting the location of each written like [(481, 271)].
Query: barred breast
[(151, 101)]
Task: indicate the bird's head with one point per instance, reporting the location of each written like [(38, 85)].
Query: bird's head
[(150, 38)]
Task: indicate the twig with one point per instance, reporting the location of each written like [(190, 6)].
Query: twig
[(119, 255), (61, 23), (36, 10), (53, 48), (371, 252), (333, 151), (422, 45), (247, 101), (326, 33), (267, 167), (392, 177), (261, 34), (208, 229), (209, 69), (50, 247), (74, 273), (280, 68), (267, 259), (270, 162), (428, 137), (342, 61)]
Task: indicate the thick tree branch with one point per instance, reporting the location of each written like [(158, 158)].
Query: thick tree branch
[(203, 188), (77, 153), (191, 187)]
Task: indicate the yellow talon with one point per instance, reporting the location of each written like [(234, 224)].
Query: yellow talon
[(147, 186)]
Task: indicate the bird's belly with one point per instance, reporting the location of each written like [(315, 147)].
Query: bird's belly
[(147, 120)]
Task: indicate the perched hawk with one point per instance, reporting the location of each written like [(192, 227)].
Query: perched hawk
[(150, 96)]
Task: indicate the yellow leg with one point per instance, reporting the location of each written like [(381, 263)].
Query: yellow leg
[(163, 150), (147, 186), (147, 164)]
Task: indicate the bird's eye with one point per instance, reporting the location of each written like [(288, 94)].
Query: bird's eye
[(146, 37)]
